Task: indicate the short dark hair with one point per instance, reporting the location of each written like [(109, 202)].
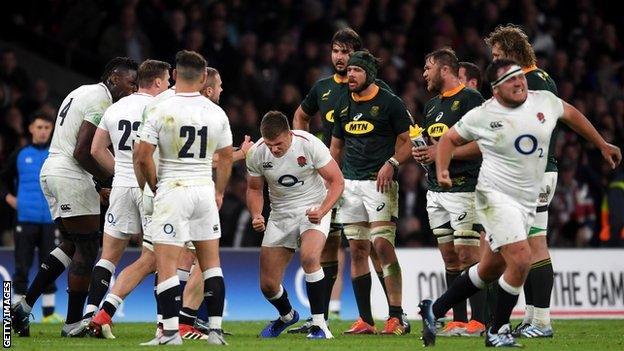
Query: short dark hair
[(190, 65), (514, 42), (445, 57), (347, 37), (119, 64), (472, 72), (40, 115), (211, 76), (149, 70), (491, 72), (273, 124)]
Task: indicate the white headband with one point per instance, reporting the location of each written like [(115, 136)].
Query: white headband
[(511, 72)]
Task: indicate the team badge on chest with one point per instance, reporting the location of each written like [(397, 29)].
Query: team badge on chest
[(374, 111), (455, 105), (301, 161), (540, 117)]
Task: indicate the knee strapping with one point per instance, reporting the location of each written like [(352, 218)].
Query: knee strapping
[(391, 269), (466, 237), (354, 231), (387, 232), (443, 235)]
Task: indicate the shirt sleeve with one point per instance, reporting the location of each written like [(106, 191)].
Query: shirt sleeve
[(253, 165), (309, 105), (103, 122), (400, 118), (94, 110), (151, 128), (556, 103), (466, 127), (320, 153), (225, 136)]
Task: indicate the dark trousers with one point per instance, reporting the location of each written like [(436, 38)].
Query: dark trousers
[(29, 236)]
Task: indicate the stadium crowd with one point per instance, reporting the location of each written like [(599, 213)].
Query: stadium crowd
[(270, 53)]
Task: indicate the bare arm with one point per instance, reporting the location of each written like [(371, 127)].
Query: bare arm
[(255, 201), (100, 151), (301, 120), (402, 147), (467, 152), (135, 163), (82, 151), (223, 172), (579, 123), (336, 149), (446, 147), (334, 181), (145, 163)]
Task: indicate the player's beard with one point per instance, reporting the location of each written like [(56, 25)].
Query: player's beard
[(359, 88), (341, 72)]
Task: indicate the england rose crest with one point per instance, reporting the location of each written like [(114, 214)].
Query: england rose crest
[(301, 160)]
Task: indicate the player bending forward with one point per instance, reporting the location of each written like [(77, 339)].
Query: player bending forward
[(296, 166)]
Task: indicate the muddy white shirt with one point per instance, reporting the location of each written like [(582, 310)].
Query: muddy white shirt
[(187, 129), (514, 143), (86, 103), (293, 179), (122, 120)]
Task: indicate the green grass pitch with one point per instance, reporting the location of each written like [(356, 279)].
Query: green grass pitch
[(584, 335)]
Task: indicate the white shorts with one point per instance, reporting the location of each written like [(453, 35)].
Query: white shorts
[(70, 197), (185, 213), (505, 220), (546, 194), (125, 212), (285, 230), (361, 202), (456, 208)]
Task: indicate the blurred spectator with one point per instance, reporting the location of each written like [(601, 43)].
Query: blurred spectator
[(612, 216), (574, 212), (125, 38)]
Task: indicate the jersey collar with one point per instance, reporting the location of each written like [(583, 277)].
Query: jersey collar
[(110, 96), (453, 91), (193, 94), (358, 98), (529, 69), (340, 80)]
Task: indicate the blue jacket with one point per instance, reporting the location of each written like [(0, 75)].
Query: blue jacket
[(21, 176)]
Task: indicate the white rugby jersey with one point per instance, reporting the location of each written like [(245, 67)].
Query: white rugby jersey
[(187, 128), (513, 142), (122, 120), (293, 179), (158, 98), (86, 103)]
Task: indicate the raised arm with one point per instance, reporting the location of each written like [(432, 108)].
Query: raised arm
[(579, 123), (100, 151)]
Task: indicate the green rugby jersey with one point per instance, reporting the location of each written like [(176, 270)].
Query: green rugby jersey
[(441, 113), (324, 96), (369, 126), (538, 79)]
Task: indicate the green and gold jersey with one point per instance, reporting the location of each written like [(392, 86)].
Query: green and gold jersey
[(441, 113), (538, 79), (324, 96), (369, 126)]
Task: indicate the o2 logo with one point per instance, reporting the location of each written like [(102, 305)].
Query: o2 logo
[(526, 144), (288, 180)]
